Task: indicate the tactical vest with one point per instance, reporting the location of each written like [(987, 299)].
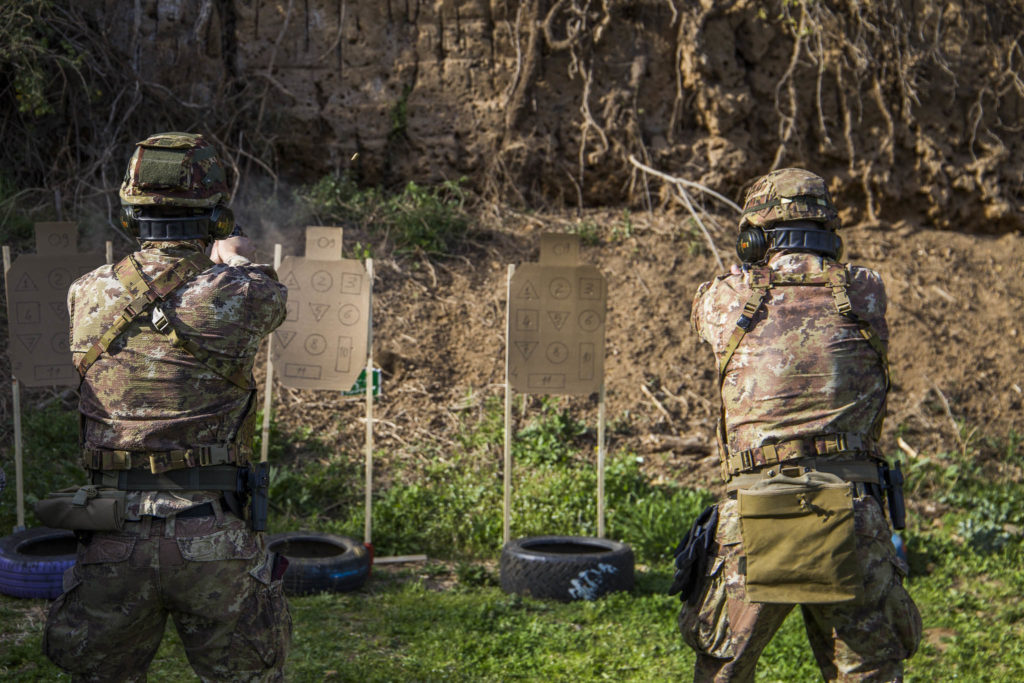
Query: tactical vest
[(144, 298), (762, 279)]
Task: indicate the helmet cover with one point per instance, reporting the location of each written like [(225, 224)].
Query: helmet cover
[(174, 169), (789, 194)]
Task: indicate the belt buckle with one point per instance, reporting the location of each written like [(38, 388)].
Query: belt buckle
[(205, 454)]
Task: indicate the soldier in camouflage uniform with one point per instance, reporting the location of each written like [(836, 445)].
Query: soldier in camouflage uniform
[(803, 384), (165, 342)]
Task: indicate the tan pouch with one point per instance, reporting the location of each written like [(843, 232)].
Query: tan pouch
[(84, 508), (799, 540)]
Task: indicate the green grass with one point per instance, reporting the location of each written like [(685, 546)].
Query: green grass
[(447, 620)]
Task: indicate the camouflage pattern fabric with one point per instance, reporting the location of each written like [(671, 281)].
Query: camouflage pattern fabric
[(174, 169), (211, 574), (789, 194), (803, 369), (864, 640), (145, 395)]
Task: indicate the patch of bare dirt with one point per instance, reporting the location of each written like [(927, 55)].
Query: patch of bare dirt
[(955, 343)]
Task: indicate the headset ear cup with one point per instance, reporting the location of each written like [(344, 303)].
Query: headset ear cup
[(129, 222), (839, 247), (751, 245), (222, 222)]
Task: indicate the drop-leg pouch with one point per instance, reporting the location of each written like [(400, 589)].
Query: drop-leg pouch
[(798, 536)]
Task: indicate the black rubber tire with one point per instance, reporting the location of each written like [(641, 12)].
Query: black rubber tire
[(33, 562), (320, 563), (566, 568)]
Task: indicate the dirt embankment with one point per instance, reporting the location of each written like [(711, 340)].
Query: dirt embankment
[(912, 107)]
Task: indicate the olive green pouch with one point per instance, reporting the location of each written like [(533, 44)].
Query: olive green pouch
[(799, 540), (85, 508)]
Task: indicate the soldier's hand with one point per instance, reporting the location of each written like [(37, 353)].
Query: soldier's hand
[(735, 270), (223, 250)]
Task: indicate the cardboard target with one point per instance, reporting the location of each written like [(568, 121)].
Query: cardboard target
[(323, 342), (37, 311), (556, 322)]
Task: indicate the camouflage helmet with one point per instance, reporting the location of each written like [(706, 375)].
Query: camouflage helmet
[(788, 194), (174, 169)]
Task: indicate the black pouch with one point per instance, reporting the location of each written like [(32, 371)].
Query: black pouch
[(692, 555)]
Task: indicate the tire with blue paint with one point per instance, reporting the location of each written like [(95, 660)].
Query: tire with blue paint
[(566, 568), (33, 562), (319, 562)]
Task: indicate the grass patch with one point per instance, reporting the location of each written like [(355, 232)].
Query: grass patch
[(447, 620), (416, 218)]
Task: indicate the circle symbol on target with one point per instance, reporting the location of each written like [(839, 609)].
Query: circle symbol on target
[(322, 281), (315, 344), (349, 314), (589, 321), (560, 288), (59, 278), (557, 352)]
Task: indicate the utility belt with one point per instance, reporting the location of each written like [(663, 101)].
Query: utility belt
[(100, 505), (748, 460), (165, 461)]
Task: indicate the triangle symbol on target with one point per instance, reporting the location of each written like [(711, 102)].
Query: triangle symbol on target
[(319, 310), (290, 281), (29, 341), (528, 291), (285, 337), (25, 284), (59, 308), (558, 318), (526, 348)]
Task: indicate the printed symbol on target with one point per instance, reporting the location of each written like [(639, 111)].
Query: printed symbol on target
[(322, 281), (560, 288), (349, 314), (27, 312), (25, 284), (318, 310), (590, 288), (59, 278), (526, 348), (290, 281), (557, 352), (315, 344), (59, 343), (351, 283), (285, 337), (527, 292), (589, 321), (527, 319)]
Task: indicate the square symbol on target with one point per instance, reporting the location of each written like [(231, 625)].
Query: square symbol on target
[(527, 320)]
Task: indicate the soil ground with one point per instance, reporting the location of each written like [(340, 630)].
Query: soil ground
[(955, 343)]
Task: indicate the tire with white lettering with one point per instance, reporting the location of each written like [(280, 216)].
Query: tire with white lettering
[(320, 562), (566, 567), (33, 562)]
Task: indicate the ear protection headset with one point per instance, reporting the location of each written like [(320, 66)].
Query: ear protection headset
[(217, 224), (754, 243)]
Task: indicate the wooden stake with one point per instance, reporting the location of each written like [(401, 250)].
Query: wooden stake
[(368, 524), (600, 463), (506, 528), (268, 384), (110, 252), (19, 484)]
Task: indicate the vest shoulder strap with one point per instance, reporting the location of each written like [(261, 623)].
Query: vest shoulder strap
[(141, 296)]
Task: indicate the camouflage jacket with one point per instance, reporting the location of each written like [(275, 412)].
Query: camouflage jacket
[(802, 369), (144, 394)]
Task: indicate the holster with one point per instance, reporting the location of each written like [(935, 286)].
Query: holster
[(692, 556), (85, 508)]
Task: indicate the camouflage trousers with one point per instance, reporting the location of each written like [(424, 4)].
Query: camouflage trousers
[(211, 574), (863, 640)]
